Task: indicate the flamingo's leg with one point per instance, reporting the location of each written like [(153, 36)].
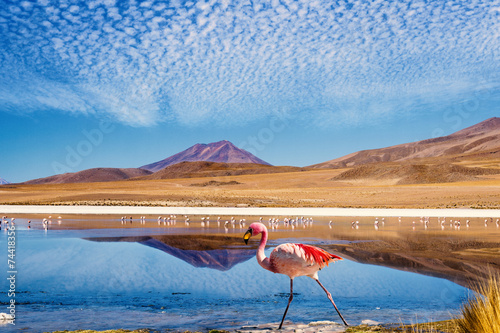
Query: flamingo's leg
[(331, 300), (289, 301)]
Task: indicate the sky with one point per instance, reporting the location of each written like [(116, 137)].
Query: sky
[(125, 83)]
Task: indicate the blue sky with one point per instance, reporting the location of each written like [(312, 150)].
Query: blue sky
[(296, 82)]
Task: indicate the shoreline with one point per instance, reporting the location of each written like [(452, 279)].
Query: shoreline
[(250, 211), (320, 326)]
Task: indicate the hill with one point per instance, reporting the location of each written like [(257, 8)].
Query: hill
[(480, 141), (91, 176), (415, 173), (3, 182), (222, 152), (215, 169)]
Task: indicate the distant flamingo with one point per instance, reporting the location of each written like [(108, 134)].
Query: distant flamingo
[(292, 260)]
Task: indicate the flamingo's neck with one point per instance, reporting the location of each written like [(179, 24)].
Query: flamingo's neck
[(261, 256)]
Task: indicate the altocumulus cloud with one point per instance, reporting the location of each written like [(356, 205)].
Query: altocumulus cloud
[(144, 62)]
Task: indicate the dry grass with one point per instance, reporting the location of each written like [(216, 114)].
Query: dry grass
[(448, 326), (482, 311)]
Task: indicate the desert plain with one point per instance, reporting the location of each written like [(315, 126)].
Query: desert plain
[(309, 188)]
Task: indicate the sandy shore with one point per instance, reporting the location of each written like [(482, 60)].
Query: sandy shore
[(248, 211)]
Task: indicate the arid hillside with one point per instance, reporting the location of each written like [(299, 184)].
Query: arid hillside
[(91, 176), (214, 169), (478, 142), (415, 173)]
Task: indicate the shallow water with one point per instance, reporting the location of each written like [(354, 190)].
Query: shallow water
[(75, 276)]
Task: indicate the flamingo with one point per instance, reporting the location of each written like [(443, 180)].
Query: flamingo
[(292, 260)]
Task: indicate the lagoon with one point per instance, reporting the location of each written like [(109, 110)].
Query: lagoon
[(98, 273)]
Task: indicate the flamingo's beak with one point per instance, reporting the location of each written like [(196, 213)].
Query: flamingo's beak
[(247, 236)]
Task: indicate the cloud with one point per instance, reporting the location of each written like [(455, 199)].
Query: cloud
[(231, 62)]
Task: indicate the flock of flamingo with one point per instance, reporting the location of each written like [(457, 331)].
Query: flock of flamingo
[(273, 223), (426, 221), (4, 222)]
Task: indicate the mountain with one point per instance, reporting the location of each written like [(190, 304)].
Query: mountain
[(3, 181), (478, 142), (215, 169), (91, 176), (222, 151)]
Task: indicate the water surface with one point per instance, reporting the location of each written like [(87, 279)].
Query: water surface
[(77, 276)]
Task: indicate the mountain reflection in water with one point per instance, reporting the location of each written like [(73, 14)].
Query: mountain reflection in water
[(216, 252)]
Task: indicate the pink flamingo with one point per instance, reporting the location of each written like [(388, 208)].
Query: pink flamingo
[(292, 260)]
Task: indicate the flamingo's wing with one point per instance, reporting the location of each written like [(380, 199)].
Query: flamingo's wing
[(318, 255), (299, 259)]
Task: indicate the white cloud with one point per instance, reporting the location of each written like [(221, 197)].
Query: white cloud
[(74, 9)]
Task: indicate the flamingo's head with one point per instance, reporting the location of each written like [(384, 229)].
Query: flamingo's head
[(253, 230)]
